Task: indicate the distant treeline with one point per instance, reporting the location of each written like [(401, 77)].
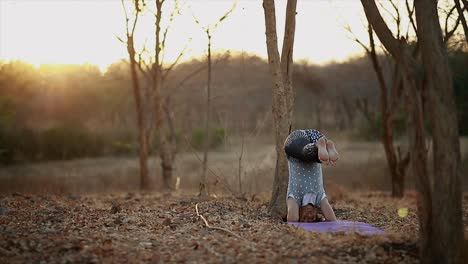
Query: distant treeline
[(71, 111)]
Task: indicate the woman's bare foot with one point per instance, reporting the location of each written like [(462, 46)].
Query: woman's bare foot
[(332, 153), (322, 151)]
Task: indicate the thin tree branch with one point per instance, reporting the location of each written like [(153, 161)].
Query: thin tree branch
[(358, 41), (395, 18), (147, 65), (465, 3), (208, 28), (410, 16), (120, 39), (392, 44), (447, 18), (126, 16), (386, 111), (214, 227), (166, 30), (135, 22), (449, 34), (188, 77), (169, 69), (462, 17), (192, 74), (140, 63), (225, 15)]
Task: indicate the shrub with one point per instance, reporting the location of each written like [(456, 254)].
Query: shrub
[(17, 145), (68, 141), (217, 137), (123, 143), (26, 145), (6, 148), (123, 148)]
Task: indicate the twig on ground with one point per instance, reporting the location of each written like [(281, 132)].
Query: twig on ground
[(214, 227)]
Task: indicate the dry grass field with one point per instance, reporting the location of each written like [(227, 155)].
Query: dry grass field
[(362, 166)]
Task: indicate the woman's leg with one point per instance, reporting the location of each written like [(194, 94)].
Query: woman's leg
[(293, 210), (327, 210)]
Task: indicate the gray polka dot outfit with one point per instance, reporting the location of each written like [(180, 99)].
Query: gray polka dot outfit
[(305, 173)]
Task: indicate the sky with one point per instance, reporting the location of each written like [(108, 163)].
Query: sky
[(85, 31)]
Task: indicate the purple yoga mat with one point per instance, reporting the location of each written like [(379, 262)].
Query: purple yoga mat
[(339, 226)]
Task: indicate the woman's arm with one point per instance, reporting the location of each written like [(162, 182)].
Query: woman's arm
[(327, 210)]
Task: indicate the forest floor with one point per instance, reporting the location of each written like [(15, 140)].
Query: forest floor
[(156, 227)]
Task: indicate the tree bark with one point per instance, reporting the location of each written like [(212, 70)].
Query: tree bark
[(400, 52), (283, 95), (447, 235)]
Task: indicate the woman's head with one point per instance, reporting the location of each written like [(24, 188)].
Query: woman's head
[(308, 213)]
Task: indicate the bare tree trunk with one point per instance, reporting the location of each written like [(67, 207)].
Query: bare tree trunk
[(397, 175), (167, 162), (137, 94), (164, 146), (400, 52), (165, 152), (171, 149), (419, 160), (143, 142), (283, 95), (207, 138), (447, 237)]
